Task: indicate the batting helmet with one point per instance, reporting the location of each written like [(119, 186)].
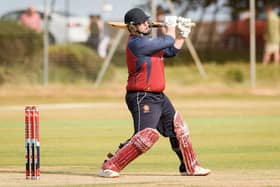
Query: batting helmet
[(135, 16)]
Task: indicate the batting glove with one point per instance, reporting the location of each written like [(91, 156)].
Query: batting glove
[(187, 22), (184, 31), (184, 26), (170, 21)]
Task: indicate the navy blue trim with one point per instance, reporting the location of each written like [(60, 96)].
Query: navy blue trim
[(149, 69)]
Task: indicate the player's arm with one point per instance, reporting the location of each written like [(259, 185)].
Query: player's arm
[(179, 41), (178, 44), (147, 46), (171, 23), (183, 26)]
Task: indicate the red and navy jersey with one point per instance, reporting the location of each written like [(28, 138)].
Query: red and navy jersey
[(144, 58)]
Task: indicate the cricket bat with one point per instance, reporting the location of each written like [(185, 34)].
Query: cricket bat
[(122, 25)]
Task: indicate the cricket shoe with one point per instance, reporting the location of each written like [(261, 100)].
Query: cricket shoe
[(108, 173), (107, 170), (198, 171)]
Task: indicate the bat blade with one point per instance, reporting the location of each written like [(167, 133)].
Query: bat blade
[(122, 25), (116, 24)]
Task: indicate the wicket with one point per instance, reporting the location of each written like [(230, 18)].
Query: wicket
[(32, 142)]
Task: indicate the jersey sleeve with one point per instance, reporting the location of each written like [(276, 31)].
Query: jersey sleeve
[(170, 52), (147, 46)]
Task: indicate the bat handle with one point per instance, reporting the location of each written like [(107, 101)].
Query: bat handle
[(157, 24)]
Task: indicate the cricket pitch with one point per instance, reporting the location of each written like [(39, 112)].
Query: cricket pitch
[(246, 178)]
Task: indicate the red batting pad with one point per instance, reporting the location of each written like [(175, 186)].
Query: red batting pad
[(182, 134), (139, 143)]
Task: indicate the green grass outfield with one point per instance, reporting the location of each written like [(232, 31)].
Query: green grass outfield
[(227, 134), (234, 129)]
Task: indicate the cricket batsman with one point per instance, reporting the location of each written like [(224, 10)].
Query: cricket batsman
[(152, 112)]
